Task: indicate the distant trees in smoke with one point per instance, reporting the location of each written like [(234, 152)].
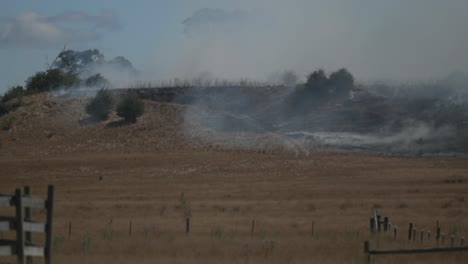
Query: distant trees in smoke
[(75, 69), (337, 86), (320, 89)]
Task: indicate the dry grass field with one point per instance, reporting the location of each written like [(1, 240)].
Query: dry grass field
[(101, 192)]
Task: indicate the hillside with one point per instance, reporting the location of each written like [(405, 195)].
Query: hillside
[(49, 125)]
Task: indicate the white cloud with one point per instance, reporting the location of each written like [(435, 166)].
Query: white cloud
[(31, 29)]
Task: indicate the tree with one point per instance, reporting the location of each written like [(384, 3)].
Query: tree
[(16, 92), (131, 107), (100, 106), (97, 81), (336, 86), (76, 61), (50, 80), (317, 85), (86, 62), (121, 62), (341, 83)]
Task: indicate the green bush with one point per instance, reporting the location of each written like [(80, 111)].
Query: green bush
[(50, 80), (16, 92), (100, 106), (131, 107)]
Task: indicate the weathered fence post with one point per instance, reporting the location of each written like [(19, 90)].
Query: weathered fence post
[(376, 222), (28, 217), (462, 239), (443, 238), (313, 228), (20, 227), (367, 251), (414, 234), (379, 223), (187, 226), (50, 213), (410, 231), (395, 232), (252, 228), (69, 230), (385, 224), (130, 229), (27, 212), (422, 236), (372, 230)]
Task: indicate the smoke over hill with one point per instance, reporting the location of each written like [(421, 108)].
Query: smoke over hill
[(411, 119)]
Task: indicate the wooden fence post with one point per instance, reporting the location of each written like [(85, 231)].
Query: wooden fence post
[(252, 228), (28, 217), (69, 230), (20, 227), (376, 224), (367, 251), (410, 231), (385, 224), (313, 228), (130, 229), (395, 232), (379, 223), (372, 230), (462, 239), (27, 212), (414, 234), (187, 226), (50, 213)]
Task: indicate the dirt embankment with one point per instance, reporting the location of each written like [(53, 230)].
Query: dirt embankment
[(54, 125)]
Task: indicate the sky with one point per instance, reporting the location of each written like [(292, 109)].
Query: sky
[(375, 39)]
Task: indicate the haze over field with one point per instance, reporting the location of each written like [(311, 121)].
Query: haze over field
[(390, 40)]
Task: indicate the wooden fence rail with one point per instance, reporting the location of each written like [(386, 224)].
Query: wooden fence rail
[(22, 223), (369, 252), (375, 229)]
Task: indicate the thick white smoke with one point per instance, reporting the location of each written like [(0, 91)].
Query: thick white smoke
[(398, 40)]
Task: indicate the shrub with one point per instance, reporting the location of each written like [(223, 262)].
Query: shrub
[(50, 80), (4, 108), (131, 107), (16, 92), (7, 122), (101, 105)]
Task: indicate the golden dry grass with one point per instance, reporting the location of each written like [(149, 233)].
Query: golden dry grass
[(224, 191)]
